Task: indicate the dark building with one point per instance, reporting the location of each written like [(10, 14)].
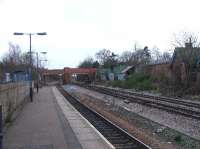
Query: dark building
[(185, 63)]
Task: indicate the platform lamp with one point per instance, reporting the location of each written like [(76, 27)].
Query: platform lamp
[(43, 78), (38, 70), (37, 67), (30, 67)]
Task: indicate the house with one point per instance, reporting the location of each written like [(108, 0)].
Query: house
[(185, 63), (108, 74), (128, 70), (183, 67)]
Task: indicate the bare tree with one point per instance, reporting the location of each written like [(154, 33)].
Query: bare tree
[(11, 59), (15, 59), (126, 57), (166, 57), (136, 57), (14, 54), (89, 62), (155, 55), (185, 37), (185, 57), (103, 56), (160, 57)]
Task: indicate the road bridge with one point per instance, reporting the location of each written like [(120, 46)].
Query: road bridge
[(69, 73)]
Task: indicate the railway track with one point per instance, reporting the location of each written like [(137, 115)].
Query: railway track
[(160, 98), (178, 106), (114, 134)]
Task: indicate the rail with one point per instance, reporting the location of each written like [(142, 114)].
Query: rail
[(119, 138)]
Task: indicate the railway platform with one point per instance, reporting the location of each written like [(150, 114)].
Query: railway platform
[(50, 122)]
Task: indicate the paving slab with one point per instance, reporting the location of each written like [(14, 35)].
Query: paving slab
[(41, 125), (51, 122)]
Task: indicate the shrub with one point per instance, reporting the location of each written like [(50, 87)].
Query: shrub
[(178, 139), (137, 81)]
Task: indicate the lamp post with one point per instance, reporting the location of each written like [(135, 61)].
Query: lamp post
[(38, 70), (30, 69), (37, 67), (43, 78), (37, 74)]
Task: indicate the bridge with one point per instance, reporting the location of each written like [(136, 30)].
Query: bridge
[(78, 73), (67, 74), (52, 75)]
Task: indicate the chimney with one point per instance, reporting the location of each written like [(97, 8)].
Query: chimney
[(188, 44)]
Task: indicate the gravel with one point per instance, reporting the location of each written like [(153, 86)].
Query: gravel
[(185, 125)]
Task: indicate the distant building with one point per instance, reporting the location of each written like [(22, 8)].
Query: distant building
[(128, 70), (109, 75), (7, 77), (185, 62), (51, 75), (158, 70), (84, 74), (20, 76)]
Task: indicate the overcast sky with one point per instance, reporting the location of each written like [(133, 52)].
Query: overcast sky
[(79, 28)]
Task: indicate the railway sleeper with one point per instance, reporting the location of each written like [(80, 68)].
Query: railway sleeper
[(126, 146), (113, 137), (121, 141)]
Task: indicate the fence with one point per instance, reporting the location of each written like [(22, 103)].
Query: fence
[(12, 96)]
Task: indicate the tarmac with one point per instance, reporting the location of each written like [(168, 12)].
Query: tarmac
[(51, 122)]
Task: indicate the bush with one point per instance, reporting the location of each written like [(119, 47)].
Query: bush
[(178, 139), (137, 81)]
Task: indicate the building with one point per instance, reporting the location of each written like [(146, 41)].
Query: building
[(20, 76), (185, 63), (158, 70), (182, 68), (82, 74), (52, 76), (106, 74)]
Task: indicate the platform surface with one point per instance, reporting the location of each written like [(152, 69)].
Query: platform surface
[(50, 122)]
